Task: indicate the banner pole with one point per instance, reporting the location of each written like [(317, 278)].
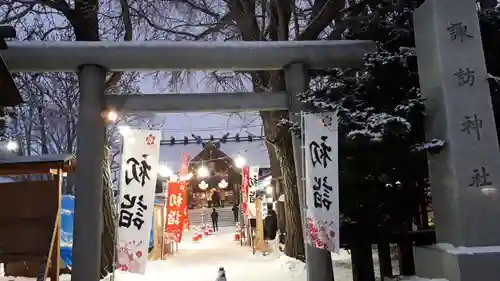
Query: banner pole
[(117, 212)]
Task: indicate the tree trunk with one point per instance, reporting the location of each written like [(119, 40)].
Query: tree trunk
[(3, 123), (281, 139), (294, 240), (70, 139), (108, 212), (43, 131), (28, 130)]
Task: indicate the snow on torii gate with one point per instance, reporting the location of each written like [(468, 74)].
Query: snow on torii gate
[(91, 60)]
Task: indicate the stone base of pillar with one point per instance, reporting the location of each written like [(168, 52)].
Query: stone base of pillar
[(458, 264)]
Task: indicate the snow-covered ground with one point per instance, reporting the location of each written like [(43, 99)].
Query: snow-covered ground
[(199, 261)]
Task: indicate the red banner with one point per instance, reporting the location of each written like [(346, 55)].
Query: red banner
[(183, 173), (176, 209), (245, 173)]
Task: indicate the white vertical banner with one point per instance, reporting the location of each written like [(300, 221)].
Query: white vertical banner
[(322, 193), (264, 207), (262, 187), (253, 180), (138, 173)]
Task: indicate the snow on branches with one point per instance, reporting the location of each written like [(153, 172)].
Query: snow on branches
[(380, 102)]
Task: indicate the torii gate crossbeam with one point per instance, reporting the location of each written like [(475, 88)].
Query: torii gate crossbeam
[(181, 55), (91, 60), (198, 102)]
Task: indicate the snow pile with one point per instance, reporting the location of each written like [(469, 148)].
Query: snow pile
[(342, 268), (287, 263), (421, 279), (125, 276), (467, 250), (63, 277), (16, 279)]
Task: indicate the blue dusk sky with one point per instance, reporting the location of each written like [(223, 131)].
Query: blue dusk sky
[(204, 124)]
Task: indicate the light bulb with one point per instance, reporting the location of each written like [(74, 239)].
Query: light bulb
[(165, 171), (12, 145), (203, 172), (240, 162), (269, 190), (112, 116)]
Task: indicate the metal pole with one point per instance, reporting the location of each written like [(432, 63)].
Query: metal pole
[(89, 186), (117, 215), (318, 262)]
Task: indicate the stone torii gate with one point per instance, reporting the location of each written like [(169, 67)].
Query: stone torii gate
[(464, 177), (91, 61)]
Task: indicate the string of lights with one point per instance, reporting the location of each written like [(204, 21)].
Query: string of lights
[(209, 129), (113, 117), (205, 161), (224, 139), (198, 140)]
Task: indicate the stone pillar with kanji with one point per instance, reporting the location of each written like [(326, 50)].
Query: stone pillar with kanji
[(465, 176)]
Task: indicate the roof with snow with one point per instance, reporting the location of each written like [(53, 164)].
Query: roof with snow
[(6, 180), (209, 149), (255, 153), (37, 164)]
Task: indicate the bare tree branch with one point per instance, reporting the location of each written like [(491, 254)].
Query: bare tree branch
[(323, 13)]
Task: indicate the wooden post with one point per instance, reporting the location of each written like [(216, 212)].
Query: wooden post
[(259, 227), (54, 255), (156, 244), (55, 247), (162, 229)]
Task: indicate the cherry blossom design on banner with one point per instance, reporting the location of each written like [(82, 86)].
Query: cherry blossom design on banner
[(321, 234), (127, 256), (328, 123), (321, 174), (150, 140)]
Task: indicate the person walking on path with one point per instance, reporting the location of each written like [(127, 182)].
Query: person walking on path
[(270, 224), (222, 196), (215, 219), (236, 210)]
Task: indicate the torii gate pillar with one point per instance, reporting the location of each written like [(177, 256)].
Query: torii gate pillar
[(91, 131), (93, 59), (297, 81)]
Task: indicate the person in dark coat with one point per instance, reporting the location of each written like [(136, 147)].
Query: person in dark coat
[(270, 224), (235, 210), (215, 219)]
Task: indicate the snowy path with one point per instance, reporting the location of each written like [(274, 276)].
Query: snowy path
[(200, 262)]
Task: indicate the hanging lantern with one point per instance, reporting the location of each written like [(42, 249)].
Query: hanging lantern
[(223, 184), (203, 185)]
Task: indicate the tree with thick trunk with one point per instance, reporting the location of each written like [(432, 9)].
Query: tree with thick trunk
[(279, 15), (108, 212), (84, 20)]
